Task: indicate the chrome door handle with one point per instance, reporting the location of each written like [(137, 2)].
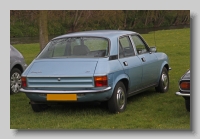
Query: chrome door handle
[(143, 59), (125, 63)]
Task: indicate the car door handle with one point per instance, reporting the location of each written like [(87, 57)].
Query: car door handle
[(125, 63), (143, 59)]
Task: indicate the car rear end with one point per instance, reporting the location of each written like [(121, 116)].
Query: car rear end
[(65, 71)]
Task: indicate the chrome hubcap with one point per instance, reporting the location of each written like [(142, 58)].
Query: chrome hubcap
[(15, 82), (164, 81), (120, 98)]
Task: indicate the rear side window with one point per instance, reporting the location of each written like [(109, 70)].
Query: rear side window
[(125, 47)]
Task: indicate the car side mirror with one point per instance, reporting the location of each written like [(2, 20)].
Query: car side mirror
[(153, 49)]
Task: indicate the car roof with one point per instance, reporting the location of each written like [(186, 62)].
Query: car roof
[(98, 33)]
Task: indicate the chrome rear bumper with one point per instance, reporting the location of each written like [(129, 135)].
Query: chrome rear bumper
[(182, 94), (65, 92)]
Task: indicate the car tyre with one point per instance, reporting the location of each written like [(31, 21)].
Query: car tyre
[(39, 107), (15, 80), (117, 103), (187, 104), (163, 84)]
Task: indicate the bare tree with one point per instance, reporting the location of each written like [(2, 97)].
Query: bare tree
[(76, 15), (43, 29)]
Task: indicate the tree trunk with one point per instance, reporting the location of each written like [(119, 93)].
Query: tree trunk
[(43, 30), (77, 15), (146, 20)]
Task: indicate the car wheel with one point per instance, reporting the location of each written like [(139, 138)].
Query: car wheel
[(39, 107), (163, 84), (187, 104), (15, 80), (118, 101)]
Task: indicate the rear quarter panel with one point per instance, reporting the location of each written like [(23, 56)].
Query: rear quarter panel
[(113, 69)]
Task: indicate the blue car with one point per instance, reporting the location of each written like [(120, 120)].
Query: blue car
[(100, 65)]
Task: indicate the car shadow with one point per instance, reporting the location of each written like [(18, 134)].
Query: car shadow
[(73, 107), (95, 107), (147, 94)]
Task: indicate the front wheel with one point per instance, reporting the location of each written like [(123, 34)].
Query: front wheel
[(118, 101), (163, 84)]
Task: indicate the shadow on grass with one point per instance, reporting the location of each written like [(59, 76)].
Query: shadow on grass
[(78, 107), (147, 94), (95, 107)]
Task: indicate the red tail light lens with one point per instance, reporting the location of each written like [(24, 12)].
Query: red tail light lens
[(185, 85), (24, 84), (101, 81)]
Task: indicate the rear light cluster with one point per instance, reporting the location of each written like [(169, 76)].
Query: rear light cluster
[(24, 84), (185, 85), (101, 81)]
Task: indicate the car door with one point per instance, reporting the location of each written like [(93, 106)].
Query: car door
[(149, 61), (131, 64)]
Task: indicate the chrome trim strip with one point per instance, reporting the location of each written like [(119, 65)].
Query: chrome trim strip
[(63, 92), (181, 94), (141, 90)]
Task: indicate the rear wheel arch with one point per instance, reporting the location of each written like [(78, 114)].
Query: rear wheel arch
[(125, 82), (18, 66), (122, 78)]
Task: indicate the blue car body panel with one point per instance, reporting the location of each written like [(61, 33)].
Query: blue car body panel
[(73, 74)]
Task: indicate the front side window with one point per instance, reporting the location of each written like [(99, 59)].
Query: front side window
[(76, 47), (125, 47), (139, 44)]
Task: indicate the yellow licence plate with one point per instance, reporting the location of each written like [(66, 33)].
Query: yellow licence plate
[(61, 97)]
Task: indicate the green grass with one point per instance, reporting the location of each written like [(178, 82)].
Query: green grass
[(148, 110)]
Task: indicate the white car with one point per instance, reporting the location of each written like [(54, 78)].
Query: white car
[(17, 66)]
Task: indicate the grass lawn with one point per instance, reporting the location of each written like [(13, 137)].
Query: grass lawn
[(148, 110)]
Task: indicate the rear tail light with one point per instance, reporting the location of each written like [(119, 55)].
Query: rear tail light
[(185, 85), (24, 84), (101, 81)]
